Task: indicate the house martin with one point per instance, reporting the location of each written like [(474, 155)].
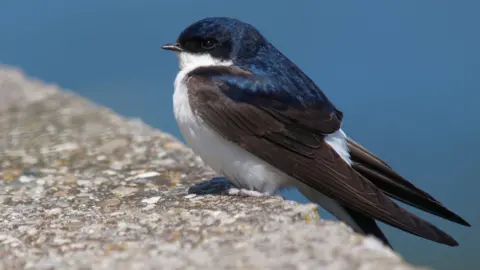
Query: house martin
[(253, 116)]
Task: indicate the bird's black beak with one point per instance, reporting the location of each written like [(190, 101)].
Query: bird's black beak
[(172, 47)]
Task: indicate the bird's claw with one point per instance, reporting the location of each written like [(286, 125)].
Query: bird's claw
[(220, 185), (245, 192)]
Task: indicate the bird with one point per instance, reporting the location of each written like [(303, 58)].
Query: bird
[(256, 118)]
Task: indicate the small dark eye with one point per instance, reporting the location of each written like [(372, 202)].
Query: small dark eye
[(208, 44)]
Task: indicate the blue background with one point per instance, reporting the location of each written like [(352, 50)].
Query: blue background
[(405, 73)]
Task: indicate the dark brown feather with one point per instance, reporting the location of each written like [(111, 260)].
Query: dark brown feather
[(317, 119), (393, 184), (301, 153), (368, 226)]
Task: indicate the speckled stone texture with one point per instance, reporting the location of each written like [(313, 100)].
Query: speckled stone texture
[(83, 188)]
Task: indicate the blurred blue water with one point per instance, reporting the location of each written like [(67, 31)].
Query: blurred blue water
[(405, 73)]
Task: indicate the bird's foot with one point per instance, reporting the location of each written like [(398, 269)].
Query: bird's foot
[(245, 192), (216, 185), (220, 185)]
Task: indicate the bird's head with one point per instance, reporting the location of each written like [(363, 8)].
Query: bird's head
[(215, 41)]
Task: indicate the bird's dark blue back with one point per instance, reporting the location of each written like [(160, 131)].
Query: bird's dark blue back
[(248, 49)]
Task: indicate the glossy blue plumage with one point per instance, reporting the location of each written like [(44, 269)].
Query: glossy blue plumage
[(274, 74)]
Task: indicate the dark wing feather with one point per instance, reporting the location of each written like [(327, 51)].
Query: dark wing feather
[(368, 226), (275, 99), (393, 184), (297, 149)]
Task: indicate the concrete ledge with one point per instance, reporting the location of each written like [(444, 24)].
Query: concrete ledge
[(83, 188)]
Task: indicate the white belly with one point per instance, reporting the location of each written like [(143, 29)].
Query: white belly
[(240, 167)]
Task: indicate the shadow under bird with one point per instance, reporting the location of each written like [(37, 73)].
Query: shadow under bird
[(253, 116)]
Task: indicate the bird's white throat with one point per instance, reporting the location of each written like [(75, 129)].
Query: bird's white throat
[(190, 61)]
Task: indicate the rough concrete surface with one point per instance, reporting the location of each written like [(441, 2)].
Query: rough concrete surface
[(83, 188)]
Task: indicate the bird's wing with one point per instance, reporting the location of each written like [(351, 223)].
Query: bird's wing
[(322, 117), (291, 138), (393, 184)]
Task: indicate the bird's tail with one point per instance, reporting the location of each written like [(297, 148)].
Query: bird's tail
[(394, 185), (368, 226), (361, 224)]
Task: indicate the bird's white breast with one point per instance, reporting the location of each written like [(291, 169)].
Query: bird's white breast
[(239, 166)]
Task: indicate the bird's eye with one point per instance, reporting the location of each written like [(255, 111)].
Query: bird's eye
[(208, 44)]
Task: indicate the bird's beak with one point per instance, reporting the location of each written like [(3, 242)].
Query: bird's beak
[(172, 47)]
